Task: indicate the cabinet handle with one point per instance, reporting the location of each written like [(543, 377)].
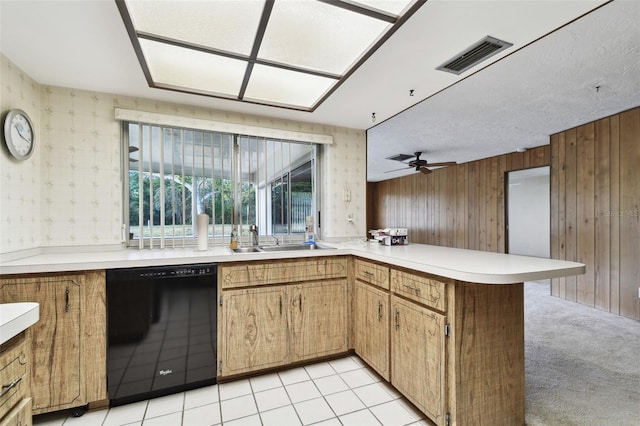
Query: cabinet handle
[(416, 289), (397, 319), (300, 300), (367, 272), (66, 299), (280, 305), (7, 388), (379, 310)]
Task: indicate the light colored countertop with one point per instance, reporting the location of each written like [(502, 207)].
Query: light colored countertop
[(465, 265), (17, 317)]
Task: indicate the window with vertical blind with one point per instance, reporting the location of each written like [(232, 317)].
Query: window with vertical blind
[(173, 174)]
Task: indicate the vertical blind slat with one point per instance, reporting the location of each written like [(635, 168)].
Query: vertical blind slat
[(140, 185), (161, 162), (182, 192), (173, 190), (150, 189)]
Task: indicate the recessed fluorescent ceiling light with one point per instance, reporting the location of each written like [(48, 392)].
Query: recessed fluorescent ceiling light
[(285, 53)]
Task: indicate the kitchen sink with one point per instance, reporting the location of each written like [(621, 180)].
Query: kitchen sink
[(288, 247), (293, 247), (247, 250)]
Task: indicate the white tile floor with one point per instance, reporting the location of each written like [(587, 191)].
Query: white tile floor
[(340, 392)]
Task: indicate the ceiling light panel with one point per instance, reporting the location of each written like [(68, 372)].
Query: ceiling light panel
[(187, 68), (286, 87), (285, 53), (318, 36), (224, 25)]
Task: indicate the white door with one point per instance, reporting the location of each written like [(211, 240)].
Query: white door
[(529, 212)]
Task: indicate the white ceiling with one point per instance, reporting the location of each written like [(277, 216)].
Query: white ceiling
[(537, 90)]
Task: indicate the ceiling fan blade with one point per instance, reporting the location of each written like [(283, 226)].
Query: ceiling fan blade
[(425, 171), (397, 170), (445, 164)]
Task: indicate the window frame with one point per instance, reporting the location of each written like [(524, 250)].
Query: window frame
[(235, 180)]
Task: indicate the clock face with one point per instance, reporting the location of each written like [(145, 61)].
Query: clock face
[(19, 134)]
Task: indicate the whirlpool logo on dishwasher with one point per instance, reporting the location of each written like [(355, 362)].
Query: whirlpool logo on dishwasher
[(165, 372)]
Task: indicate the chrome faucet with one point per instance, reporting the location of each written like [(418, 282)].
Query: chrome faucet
[(253, 229), (276, 238)]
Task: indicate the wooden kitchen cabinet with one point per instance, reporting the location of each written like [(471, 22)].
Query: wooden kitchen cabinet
[(457, 348), (418, 351), (248, 274), (255, 330), (319, 319), (371, 323), (429, 291), (279, 312), (418, 356), (20, 415), (372, 273), (69, 340), (15, 378)]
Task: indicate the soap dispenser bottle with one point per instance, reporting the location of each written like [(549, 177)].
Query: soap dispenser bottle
[(309, 237), (233, 243)]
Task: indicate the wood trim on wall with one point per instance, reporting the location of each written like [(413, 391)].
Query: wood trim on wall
[(461, 206), (595, 213)]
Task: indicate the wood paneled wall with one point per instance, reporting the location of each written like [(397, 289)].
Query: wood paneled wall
[(461, 206), (595, 212)]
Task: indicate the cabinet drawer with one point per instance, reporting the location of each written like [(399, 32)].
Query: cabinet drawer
[(427, 291), (373, 274), (277, 272), (14, 379), (21, 415)]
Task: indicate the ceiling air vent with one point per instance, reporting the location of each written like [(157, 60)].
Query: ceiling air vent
[(473, 55)]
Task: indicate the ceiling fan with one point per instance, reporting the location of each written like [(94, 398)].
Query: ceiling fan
[(421, 166)]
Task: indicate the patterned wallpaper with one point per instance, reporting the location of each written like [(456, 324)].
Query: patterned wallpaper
[(344, 168), (69, 193), (80, 167), (19, 180)]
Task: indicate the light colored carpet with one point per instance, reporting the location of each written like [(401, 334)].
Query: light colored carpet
[(582, 366)]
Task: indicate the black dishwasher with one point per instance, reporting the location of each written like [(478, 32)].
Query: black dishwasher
[(161, 324)]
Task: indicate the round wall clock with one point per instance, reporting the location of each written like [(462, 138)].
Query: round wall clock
[(19, 134)]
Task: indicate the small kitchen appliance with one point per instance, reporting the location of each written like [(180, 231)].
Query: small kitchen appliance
[(391, 236)]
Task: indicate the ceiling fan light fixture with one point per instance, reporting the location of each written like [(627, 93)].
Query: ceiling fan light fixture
[(417, 164)]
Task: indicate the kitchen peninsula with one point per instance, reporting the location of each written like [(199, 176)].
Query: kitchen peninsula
[(444, 326)]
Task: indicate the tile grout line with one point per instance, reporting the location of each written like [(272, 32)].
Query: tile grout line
[(377, 380)]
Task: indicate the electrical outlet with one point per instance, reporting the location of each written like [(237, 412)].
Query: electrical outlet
[(346, 195)]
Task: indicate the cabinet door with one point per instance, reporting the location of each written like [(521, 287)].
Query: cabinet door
[(253, 333), (372, 327), (319, 318), (417, 356), (56, 368)]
